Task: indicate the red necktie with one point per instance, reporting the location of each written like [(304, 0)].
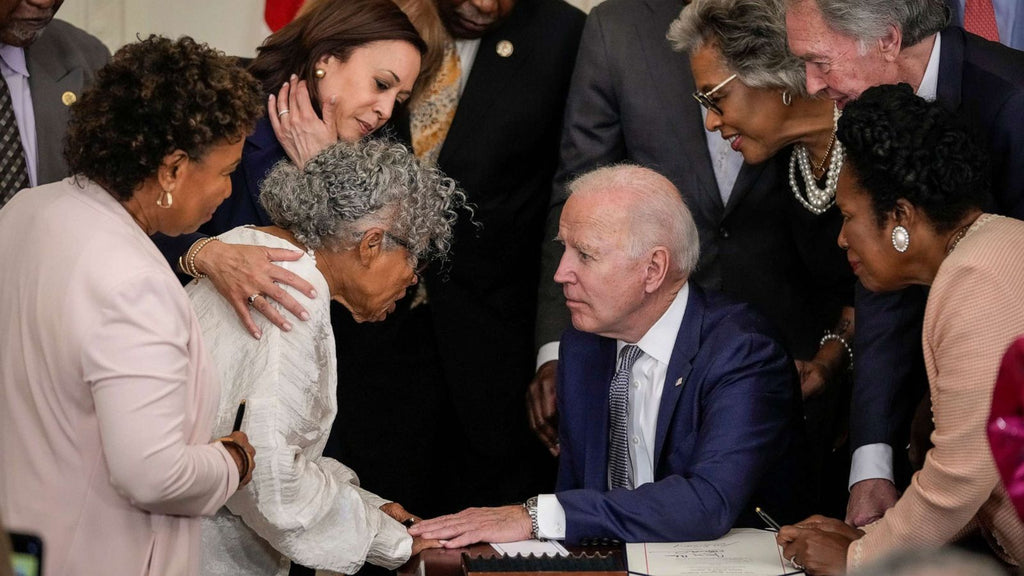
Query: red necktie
[(980, 19)]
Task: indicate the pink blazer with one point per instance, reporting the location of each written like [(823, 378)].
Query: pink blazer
[(106, 397)]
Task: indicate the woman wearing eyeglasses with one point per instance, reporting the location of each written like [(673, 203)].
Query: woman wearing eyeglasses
[(363, 214), (752, 91), (755, 95)]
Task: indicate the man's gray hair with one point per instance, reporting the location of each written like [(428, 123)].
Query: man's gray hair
[(658, 216), (749, 34), (350, 187), (869, 20)]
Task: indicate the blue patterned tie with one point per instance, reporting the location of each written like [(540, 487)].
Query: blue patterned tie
[(619, 469), (13, 170)]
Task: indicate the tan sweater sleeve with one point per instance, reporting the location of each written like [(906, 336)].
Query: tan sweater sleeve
[(967, 328)]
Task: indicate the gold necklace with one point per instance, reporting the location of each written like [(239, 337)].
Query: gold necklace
[(957, 238), (819, 167)]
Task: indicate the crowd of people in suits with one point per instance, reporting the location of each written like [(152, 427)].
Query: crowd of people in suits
[(634, 272)]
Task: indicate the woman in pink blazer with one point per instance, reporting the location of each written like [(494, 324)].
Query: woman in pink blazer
[(107, 399), (912, 205)]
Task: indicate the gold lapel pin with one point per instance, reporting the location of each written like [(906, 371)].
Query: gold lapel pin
[(679, 383), (68, 98), (504, 48)]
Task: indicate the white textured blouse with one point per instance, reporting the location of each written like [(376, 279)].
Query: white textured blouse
[(299, 505)]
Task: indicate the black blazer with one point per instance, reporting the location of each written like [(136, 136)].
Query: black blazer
[(983, 82), (630, 100)]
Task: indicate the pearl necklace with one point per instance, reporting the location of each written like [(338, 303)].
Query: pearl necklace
[(817, 200)]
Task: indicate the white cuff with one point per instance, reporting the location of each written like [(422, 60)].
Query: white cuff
[(550, 518), (547, 353), (871, 461)]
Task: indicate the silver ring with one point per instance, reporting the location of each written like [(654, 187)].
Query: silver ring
[(283, 112), (796, 564), (252, 299)]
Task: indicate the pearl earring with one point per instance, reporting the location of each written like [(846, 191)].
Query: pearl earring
[(320, 73), (900, 239)]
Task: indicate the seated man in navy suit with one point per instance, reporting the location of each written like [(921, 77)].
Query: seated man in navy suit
[(695, 424)]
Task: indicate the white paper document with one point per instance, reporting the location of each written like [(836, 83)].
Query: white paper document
[(746, 551), (535, 547)]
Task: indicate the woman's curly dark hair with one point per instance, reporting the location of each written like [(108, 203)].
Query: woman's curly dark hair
[(902, 146), (156, 96)]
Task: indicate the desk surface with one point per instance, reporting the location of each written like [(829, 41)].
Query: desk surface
[(448, 562)]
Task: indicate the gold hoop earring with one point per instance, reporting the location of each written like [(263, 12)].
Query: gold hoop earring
[(165, 200), (320, 73)]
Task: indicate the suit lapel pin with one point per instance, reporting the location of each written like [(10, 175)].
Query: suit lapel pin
[(68, 98), (679, 383), (504, 48)]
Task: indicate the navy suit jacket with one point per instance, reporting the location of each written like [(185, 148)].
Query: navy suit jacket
[(728, 436), (983, 82)]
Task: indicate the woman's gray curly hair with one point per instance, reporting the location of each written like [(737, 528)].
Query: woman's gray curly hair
[(349, 187), (749, 34)]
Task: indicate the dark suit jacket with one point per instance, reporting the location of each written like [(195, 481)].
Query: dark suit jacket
[(983, 82), (476, 334), (63, 59), (727, 439), (502, 149), (630, 100)]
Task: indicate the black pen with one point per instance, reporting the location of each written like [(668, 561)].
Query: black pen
[(241, 413), (772, 524)]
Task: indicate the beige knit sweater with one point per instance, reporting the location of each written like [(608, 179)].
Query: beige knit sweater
[(975, 310)]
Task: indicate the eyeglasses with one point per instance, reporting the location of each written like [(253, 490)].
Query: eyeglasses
[(415, 263), (705, 97)]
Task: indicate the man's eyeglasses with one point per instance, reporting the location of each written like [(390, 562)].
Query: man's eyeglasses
[(705, 97)]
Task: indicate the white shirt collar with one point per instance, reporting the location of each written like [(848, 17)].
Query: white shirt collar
[(929, 88), (660, 338)]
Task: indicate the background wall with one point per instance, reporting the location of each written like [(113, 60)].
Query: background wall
[(234, 26)]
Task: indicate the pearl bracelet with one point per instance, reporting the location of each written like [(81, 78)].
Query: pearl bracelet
[(830, 336), (187, 261)]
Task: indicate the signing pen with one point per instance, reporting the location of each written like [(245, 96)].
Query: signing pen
[(772, 524), (238, 417)]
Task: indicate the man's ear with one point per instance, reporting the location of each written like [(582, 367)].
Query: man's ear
[(371, 245), (656, 269), (171, 169), (891, 44)]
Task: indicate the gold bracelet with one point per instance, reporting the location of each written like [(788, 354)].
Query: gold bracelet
[(247, 460), (187, 263)]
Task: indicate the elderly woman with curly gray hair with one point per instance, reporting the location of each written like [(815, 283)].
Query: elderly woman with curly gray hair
[(364, 214)]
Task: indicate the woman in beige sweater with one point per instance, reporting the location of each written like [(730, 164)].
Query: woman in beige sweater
[(912, 215)]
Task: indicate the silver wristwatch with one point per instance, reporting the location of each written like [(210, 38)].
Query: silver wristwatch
[(531, 509)]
